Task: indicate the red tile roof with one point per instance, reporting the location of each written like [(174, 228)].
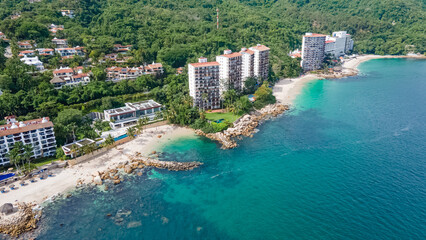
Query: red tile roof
[(31, 125), (315, 35), (329, 41), (63, 70), (261, 47), (232, 55), (204, 64), (247, 51)]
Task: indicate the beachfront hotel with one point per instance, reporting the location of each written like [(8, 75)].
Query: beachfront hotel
[(260, 61), (131, 112), (37, 132), (204, 83), (313, 46)]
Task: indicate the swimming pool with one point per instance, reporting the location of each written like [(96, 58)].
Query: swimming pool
[(120, 137), (6, 176)]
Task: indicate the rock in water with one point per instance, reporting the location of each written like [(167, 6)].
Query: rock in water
[(97, 180), (134, 224)]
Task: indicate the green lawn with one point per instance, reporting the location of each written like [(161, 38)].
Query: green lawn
[(43, 161), (230, 117)]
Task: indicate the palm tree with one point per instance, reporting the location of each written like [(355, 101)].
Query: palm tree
[(131, 132), (14, 155), (139, 126), (74, 151), (109, 141), (27, 154), (158, 115)]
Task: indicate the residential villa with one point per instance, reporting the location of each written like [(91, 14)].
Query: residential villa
[(53, 29), (26, 53), (37, 132), (45, 51), (116, 74), (25, 45), (339, 44), (131, 112), (66, 52), (33, 61), (69, 77), (76, 146), (68, 13), (60, 43), (122, 49)]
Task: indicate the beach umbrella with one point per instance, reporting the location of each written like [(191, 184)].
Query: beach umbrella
[(22, 183), (6, 208), (44, 175), (12, 186), (2, 190)]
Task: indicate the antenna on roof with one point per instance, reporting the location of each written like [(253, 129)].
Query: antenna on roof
[(217, 18)]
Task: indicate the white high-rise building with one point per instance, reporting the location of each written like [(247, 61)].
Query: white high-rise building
[(338, 44), (230, 71), (313, 47), (260, 61), (37, 132), (247, 64), (204, 83)]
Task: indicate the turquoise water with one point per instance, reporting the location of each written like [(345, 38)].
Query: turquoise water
[(348, 162)]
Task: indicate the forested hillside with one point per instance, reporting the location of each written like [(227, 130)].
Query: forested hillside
[(176, 32)]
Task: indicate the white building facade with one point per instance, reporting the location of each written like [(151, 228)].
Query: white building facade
[(230, 71), (33, 61), (204, 84), (339, 44), (131, 112), (37, 132), (260, 61)]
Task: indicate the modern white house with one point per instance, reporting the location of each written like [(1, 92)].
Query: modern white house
[(77, 145), (37, 132), (69, 77), (33, 61), (131, 112), (338, 44)]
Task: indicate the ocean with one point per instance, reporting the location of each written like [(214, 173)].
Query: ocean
[(347, 162)]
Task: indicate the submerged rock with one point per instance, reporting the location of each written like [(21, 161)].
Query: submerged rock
[(134, 224)]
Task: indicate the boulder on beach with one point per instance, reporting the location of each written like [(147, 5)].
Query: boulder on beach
[(7, 208)]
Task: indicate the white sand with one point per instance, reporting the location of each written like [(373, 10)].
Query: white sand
[(66, 179), (286, 90)]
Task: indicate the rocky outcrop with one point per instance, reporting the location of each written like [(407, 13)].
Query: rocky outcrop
[(138, 162), (245, 126), (23, 220)]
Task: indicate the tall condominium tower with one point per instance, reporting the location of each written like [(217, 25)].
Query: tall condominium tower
[(230, 71), (313, 46), (260, 61), (204, 83)]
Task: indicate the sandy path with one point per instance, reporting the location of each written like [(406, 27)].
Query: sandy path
[(66, 179)]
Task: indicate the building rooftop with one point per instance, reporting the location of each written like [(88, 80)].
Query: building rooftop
[(260, 47), (314, 35), (63, 70), (330, 41), (15, 127), (131, 107), (204, 64), (232, 55), (79, 144)]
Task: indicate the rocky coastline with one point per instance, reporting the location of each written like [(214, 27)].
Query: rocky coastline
[(244, 126), (24, 219), (134, 166)]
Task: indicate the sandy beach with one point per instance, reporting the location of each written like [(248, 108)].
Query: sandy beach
[(66, 179), (286, 90)]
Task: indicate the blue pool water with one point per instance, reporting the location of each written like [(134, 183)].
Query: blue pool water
[(120, 137), (347, 162), (6, 176)]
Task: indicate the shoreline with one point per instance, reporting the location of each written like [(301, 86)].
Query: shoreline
[(67, 179), (286, 90)]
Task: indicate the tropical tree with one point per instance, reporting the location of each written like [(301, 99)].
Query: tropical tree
[(15, 156), (27, 154), (131, 132), (109, 141), (74, 150)]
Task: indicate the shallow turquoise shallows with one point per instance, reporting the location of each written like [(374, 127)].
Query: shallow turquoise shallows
[(348, 162)]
